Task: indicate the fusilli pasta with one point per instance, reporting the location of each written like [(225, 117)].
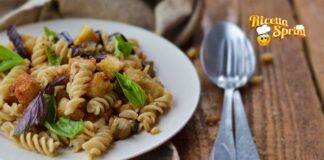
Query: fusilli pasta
[(10, 112), (37, 143), (96, 145), (39, 51), (80, 76), (81, 93), (61, 49), (149, 112), (11, 77)]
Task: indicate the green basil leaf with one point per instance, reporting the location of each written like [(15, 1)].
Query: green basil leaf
[(52, 58), (122, 47), (50, 103), (48, 32), (132, 91), (66, 127), (8, 59)]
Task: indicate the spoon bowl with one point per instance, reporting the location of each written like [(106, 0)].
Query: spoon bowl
[(227, 56)]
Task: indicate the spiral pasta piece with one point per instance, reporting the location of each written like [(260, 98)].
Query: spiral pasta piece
[(80, 76), (29, 43), (45, 75), (64, 141), (39, 51), (37, 143), (99, 143), (61, 49), (8, 129), (122, 128), (149, 113), (14, 73), (10, 113), (98, 105), (89, 131), (129, 114), (127, 111)]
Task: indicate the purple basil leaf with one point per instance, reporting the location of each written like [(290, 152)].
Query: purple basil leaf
[(37, 110), (15, 38), (110, 37), (76, 50), (66, 36), (34, 114), (100, 57), (98, 33), (49, 89)]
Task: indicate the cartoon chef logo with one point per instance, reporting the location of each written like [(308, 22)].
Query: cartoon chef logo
[(269, 28), (263, 37)]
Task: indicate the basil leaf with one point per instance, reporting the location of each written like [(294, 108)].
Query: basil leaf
[(34, 114), (52, 58), (122, 47), (50, 103), (16, 40), (48, 32), (66, 36), (37, 110), (62, 80), (66, 127), (8, 58), (132, 91)]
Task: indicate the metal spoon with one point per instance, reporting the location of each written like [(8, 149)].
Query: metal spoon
[(228, 60)]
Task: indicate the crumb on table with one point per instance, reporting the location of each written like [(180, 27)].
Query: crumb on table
[(211, 119), (266, 58), (192, 53), (256, 79)]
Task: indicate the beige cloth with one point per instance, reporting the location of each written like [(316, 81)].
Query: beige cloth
[(173, 19)]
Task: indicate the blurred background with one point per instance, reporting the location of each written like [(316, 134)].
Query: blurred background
[(284, 102)]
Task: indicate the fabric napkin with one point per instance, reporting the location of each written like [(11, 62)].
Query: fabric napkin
[(173, 19)]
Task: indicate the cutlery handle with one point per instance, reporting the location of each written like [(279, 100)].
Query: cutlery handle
[(245, 146), (223, 148)]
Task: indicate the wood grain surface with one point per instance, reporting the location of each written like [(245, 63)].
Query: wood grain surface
[(284, 110), (310, 13)]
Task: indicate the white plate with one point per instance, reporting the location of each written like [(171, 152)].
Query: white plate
[(174, 69)]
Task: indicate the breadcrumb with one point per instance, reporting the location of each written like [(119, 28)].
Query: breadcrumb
[(155, 130), (266, 58), (25, 88), (192, 53), (256, 79), (211, 119)]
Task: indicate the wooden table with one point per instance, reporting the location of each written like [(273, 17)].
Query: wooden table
[(285, 110)]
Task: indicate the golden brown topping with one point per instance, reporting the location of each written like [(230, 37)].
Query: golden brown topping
[(25, 88), (99, 85), (110, 65), (86, 34)]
